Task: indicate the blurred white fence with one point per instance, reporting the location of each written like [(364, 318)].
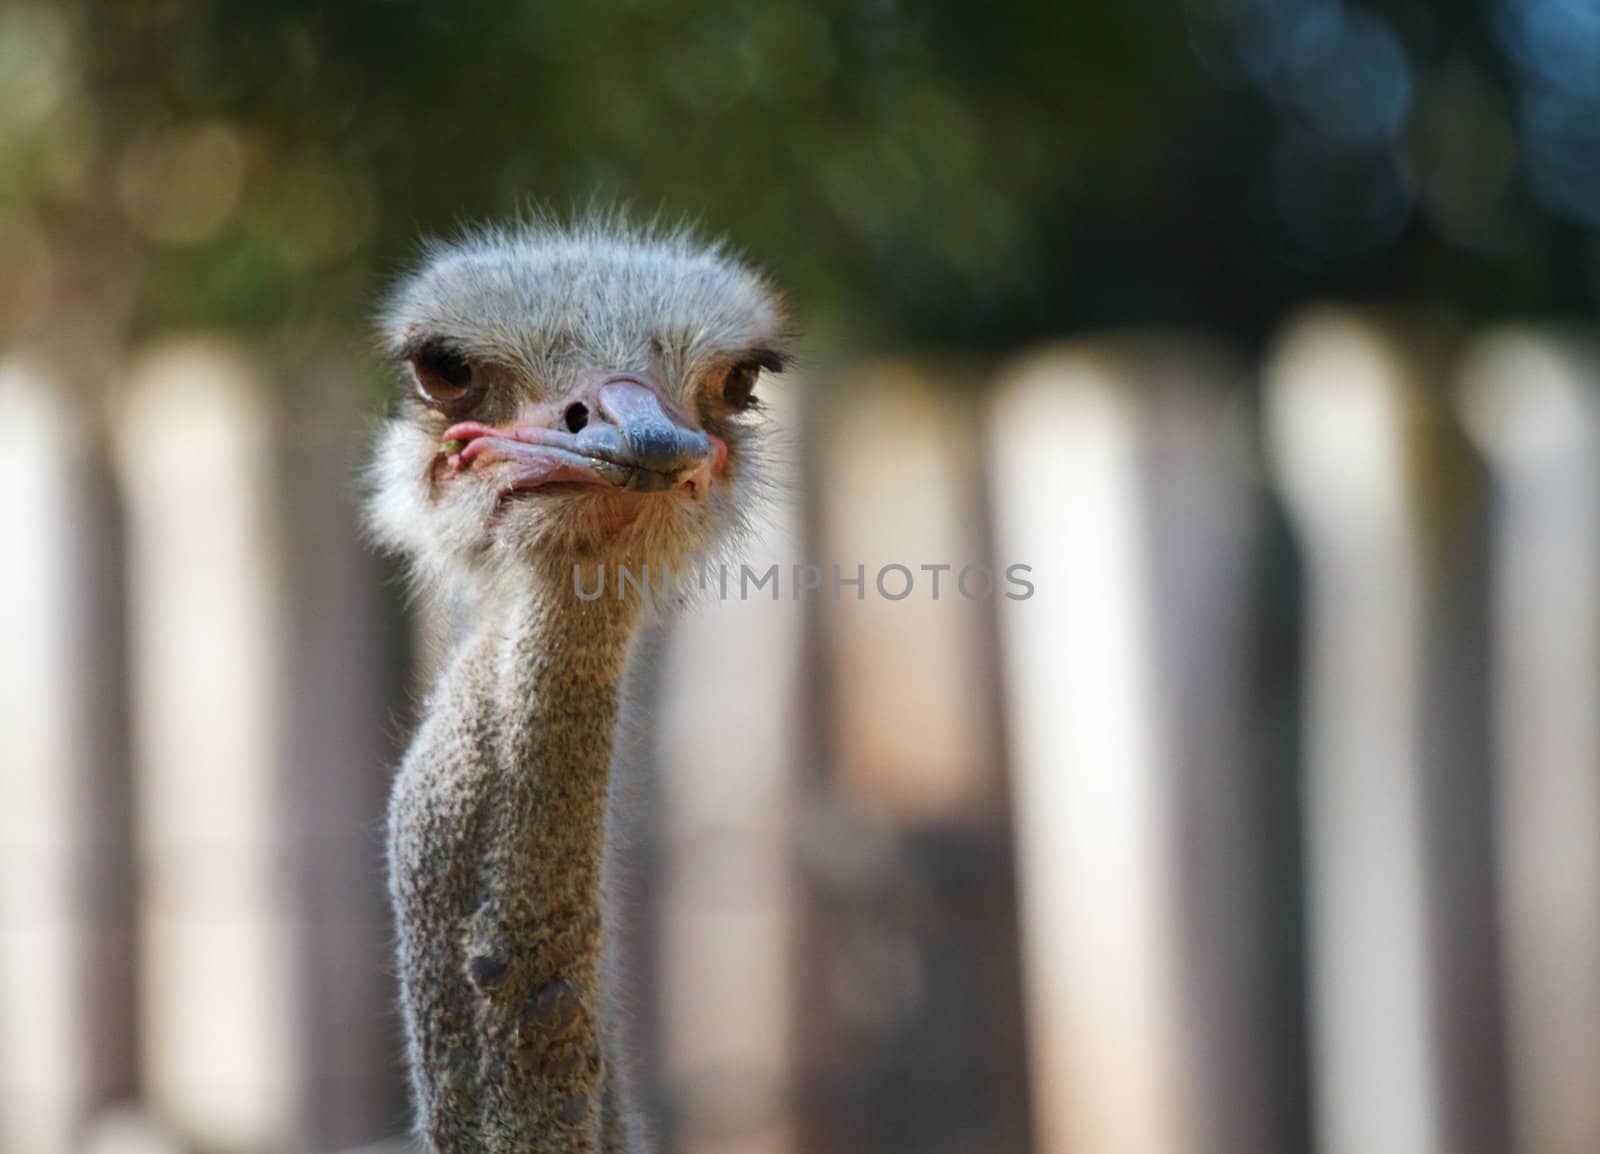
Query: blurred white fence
[(1269, 822)]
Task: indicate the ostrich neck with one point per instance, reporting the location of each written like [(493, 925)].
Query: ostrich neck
[(548, 678), (497, 833), (550, 670)]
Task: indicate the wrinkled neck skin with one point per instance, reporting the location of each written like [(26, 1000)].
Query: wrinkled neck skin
[(496, 843)]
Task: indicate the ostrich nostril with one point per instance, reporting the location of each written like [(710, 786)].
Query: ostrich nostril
[(577, 416)]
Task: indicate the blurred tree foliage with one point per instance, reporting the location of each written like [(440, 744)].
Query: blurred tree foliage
[(915, 171)]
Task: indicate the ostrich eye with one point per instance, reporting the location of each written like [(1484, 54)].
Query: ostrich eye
[(741, 379), (737, 386), (445, 379)]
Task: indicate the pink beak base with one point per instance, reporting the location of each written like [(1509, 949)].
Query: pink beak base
[(536, 458)]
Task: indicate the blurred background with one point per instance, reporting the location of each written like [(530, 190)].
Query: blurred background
[(1260, 329)]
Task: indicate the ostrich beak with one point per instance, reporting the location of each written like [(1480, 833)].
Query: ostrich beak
[(617, 435)]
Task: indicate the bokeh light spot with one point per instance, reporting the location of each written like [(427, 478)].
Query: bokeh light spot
[(181, 184), (1348, 77)]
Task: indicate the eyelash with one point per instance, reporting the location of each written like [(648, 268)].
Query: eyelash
[(739, 383)]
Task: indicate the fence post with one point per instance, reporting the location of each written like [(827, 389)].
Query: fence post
[(194, 444), (1383, 497), (1205, 556), (66, 878), (1532, 403), (1136, 795), (266, 674), (911, 1009), (346, 670)]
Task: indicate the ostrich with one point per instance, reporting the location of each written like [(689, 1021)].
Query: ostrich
[(575, 397)]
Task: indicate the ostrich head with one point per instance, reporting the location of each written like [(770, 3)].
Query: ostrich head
[(572, 396)]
